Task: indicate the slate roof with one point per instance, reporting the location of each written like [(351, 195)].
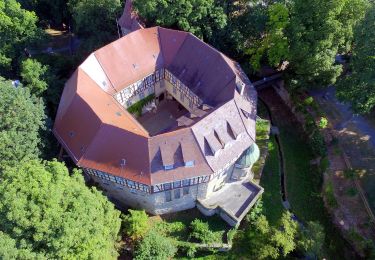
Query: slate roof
[(99, 133)]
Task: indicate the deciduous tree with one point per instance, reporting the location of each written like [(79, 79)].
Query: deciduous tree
[(155, 246), (200, 17), (34, 75), (49, 212), (311, 240), (136, 224), (358, 87), (17, 29), (21, 120)]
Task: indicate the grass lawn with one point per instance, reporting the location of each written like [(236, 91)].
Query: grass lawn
[(270, 181), (262, 137), (303, 185)]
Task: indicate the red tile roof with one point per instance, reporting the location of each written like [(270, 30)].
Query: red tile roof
[(99, 133)]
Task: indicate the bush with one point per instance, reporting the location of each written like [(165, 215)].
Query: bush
[(156, 247), (317, 144), (330, 196), (324, 164), (136, 224), (323, 123), (201, 231), (137, 107)]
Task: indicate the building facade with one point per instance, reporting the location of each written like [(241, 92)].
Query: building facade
[(192, 141)]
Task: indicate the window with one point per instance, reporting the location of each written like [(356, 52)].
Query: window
[(185, 190), (168, 167), (174, 90), (177, 184), (185, 182), (182, 97), (189, 164), (168, 196), (167, 186), (141, 95), (177, 194)]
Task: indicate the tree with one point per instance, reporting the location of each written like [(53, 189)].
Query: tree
[(33, 74), (17, 29), (95, 21), (313, 34), (311, 240), (136, 224), (49, 212), (200, 17), (358, 87), (201, 231), (275, 44), (21, 119), (155, 246), (269, 242)]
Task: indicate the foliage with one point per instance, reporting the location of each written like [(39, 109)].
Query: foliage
[(255, 212), (324, 164), (358, 88), (323, 123), (330, 195), (95, 31), (49, 212), (270, 242), (17, 29), (200, 230), (317, 144), (33, 75), (9, 250), (55, 11), (311, 240), (136, 108), (136, 224), (21, 120), (200, 17), (231, 234), (155, 246), (275, 44), (313, 40)]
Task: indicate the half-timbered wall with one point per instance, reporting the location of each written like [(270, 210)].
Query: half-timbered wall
[(146, 86)]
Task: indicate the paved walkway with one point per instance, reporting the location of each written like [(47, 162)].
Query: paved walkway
[(329, 95)]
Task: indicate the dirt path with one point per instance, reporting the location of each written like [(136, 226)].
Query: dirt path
[(356, 137)]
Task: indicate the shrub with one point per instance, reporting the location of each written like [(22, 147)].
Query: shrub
[(155, 246), (201, 231), (308, 101), (137, 107), (317, 144), (324, 164), (230, 235), (136, 224), (330, 196), (323, 123)]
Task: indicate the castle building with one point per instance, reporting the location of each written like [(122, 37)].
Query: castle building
[(163, 122)]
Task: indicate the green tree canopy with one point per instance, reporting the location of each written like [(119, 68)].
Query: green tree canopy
[(21, 120), (200, 17), (270, 242), (311, 240), (95, 21), (17, 29), (155, 246), (358, 87), (136, 224), (33, 75), (46, 211)]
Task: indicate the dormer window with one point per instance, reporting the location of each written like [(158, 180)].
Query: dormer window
[(168, 167), (189, 164)]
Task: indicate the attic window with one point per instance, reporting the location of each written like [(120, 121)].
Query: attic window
[(71, 134), (154, 56), (123, 163), (189, 164), (104, 83), (168, 167), (135, 66)]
